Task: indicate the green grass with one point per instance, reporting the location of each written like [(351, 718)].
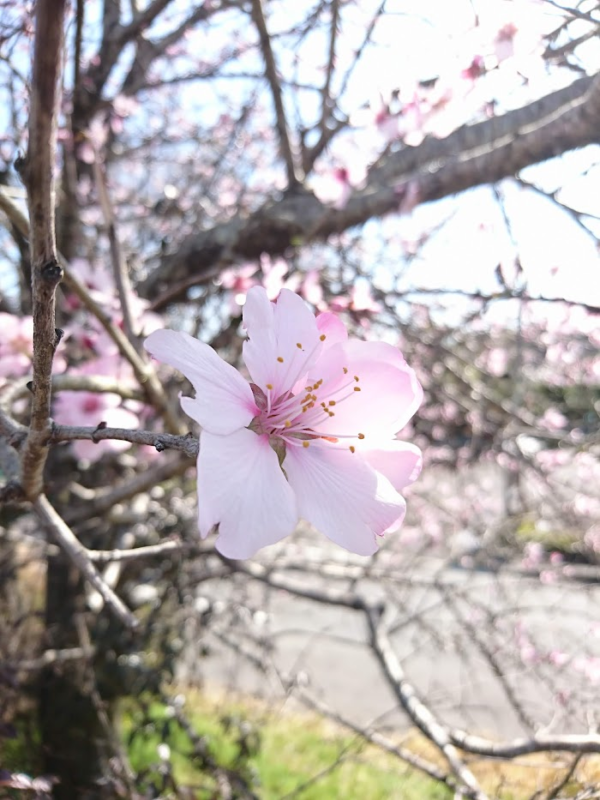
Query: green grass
[(286, 753), (300, 755)]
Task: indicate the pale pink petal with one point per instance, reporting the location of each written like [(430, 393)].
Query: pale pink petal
[(400, 462), (242, 488), (333, 328), (342, 496), (283, 340), (224, 400), (380, 402)]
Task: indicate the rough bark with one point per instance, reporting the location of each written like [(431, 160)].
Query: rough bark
[(474, 155)]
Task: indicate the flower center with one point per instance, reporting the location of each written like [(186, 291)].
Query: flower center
[(297, 419)]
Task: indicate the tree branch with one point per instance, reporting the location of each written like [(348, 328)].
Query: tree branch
[(118, 262), (474, 155), (418, 712), (38, 175), (271, 74), (78, 554), (144, 371), (162, 441)]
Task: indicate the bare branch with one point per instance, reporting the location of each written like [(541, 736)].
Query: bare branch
[(326, 91), (118, 262), (376, 738), (78, 554), (273, 79), (419, 713), (38, 174), (162, 441), (541, 743), (143, 369), (150, 551), (150, 477), (477, 154)]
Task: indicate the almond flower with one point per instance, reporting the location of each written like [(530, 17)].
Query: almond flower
[(312, 436)]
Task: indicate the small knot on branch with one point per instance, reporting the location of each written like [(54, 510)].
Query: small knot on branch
[(52, 272), (100, 427)]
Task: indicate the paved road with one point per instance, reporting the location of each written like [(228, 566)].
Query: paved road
[(543, 637)]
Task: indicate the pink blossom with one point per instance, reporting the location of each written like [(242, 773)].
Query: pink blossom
[(311, 436), (90, 409), (16, 345), (311, 288), (553, 419)]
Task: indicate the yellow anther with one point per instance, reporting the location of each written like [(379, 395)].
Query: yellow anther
[(270, 386), (322, 337), (357, 388), (308, 388), (345, 370), (356, 378), (305, 443), (361, 436), (287, 423), (352, 448), (313, 397), (298, 345), (332, 402), (280, 359)]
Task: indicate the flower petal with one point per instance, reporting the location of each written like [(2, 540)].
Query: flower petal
[(342, 496), (333, 328), (224, 401), (283, 340), (373, 396), (400, 462), (242, 488)]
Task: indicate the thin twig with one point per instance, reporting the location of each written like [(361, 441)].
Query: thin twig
[(273, 79), (118, 262), (162, 441), (149, 551), (376, 738), (143, 369), (78, 554), (418, 712), (150, 477)]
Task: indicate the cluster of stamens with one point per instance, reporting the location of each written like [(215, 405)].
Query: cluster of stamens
[(295, 418)]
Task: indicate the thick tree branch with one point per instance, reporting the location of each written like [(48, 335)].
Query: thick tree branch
[(38, 175), (471, 156)]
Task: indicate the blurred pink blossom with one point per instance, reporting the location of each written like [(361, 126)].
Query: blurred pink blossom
[(553, 419), (16, 347), (89, 409)]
